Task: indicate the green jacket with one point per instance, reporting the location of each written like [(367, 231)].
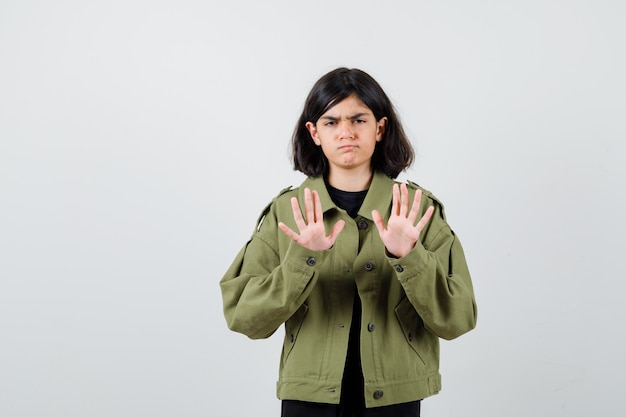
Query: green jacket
[(407, 303)]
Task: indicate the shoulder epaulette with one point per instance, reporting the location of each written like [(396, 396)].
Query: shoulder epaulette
[(284, 190), (267, 208), (413, 184), (429, 195)]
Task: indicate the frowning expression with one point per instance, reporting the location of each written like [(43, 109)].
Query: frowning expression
[(348, 133)]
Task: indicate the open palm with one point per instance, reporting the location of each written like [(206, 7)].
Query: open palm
[(312, 233), (402, 233)]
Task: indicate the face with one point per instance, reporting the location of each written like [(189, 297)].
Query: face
[(348, 133)]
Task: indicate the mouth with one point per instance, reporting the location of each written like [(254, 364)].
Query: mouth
[(347, 147)]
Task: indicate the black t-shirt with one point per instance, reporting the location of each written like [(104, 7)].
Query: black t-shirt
[(350, 201), (352, 385)]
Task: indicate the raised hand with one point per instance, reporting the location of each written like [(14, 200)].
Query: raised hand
[(402, 232), (312, 232)]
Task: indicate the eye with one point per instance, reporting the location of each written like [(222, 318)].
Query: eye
[(329, 123), (359, 121)]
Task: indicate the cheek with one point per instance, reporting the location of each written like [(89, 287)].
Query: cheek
[(324, 146)]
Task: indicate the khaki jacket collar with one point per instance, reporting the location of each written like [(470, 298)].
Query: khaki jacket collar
[(378, 196)]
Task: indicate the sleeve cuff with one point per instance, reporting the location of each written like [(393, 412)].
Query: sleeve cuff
[(411, 264)]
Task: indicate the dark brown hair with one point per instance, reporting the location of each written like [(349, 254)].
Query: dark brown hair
[(392, 155)]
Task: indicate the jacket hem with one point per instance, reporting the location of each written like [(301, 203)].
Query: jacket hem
[(376, 395)]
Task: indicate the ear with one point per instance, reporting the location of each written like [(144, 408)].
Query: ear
[(381, 125), (310, 126)]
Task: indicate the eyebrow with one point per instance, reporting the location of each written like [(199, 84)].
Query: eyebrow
[(354, 116)]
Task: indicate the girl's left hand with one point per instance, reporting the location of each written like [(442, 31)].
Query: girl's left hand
[(401, 233)]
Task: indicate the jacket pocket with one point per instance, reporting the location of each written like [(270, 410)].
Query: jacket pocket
[(292, 328), (412, 326)]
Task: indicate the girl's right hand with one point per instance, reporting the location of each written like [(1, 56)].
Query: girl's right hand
[(312, 231)]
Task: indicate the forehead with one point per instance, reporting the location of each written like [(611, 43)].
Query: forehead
[(349, 105)]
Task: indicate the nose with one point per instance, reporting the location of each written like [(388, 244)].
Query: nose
[(346, 130)]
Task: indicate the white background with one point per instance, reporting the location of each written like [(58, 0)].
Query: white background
[(139, 140)]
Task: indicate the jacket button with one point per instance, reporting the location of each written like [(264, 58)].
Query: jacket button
[(371, 327), (291, 338), (399, 268), (368, 266), (410, 336), (378, 394), (362, 224), (310, 261)]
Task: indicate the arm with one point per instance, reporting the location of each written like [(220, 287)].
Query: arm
[(429, 263), (438, 284), (274, 273), (260, 292)]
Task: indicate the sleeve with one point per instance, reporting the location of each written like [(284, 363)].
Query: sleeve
[(264, 287), (437, 282)]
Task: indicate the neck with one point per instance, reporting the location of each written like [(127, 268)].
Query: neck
[(350, 180)]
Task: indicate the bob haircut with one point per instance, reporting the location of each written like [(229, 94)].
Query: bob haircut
[(392, 155)]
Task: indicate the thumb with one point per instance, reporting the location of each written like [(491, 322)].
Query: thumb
[(337, 228)]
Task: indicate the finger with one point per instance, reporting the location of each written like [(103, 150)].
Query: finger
[(379, 222), (425, 219), (318, 213), (308, 206), (337, 228), (404, 200), (415, 209), (297, 213), (395, 201), (292, 235)]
